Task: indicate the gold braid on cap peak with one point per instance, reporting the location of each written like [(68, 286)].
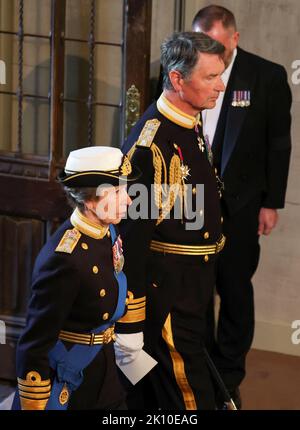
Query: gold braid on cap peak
[(125, 168), (166, 190)]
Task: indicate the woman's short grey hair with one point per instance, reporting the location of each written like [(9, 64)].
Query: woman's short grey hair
[(181, 51), (78, 196)]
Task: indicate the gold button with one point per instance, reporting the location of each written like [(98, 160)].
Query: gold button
[(222, 220), (216, 171), (105, 316), (102, 292), (201, 212), (194, 191), (126, 301), (95, 270), (154, 285), (84, 246), (206, 235), (108, 233), (206, 258), (175, 146)]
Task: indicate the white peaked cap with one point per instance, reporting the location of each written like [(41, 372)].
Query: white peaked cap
[(95, 158)]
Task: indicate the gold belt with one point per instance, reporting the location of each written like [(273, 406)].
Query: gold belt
[(173, 248), (105, 336)]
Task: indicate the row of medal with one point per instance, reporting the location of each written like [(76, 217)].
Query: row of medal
[(240, 99)]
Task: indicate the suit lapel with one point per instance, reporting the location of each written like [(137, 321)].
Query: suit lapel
[(241, 79)]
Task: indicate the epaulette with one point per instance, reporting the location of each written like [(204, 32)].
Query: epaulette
[(68, 241), (147, 134)]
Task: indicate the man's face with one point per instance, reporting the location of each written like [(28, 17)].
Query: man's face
[(202, 88), (227, 36)]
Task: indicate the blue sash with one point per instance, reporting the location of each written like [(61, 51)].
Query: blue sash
[(69, 365)]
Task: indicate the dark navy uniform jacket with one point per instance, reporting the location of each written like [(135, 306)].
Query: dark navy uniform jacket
[(162, 127), (73, 289)]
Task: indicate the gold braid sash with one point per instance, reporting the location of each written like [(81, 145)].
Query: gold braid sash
[(166, 190)]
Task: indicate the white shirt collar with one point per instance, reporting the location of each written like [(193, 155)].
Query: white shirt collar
[(227, 71)]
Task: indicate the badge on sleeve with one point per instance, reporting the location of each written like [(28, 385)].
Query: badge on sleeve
[(118, 257)]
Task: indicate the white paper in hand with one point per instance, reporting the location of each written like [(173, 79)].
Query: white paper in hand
[(138, 368)]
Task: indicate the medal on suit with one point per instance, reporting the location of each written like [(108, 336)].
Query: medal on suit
[(208, 150), (241, 98), (118, 257), (201, 144)]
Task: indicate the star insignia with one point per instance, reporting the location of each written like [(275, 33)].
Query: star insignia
[(185, 171)]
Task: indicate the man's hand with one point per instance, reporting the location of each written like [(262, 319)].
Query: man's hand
[(267, 220), (128, 346)]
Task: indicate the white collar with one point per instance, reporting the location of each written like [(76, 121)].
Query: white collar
[(176, 115), (227, 71), (85, 226)]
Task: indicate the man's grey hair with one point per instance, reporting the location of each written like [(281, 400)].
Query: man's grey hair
[(181, 51), (78, 196)]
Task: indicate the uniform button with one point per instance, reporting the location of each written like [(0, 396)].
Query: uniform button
[(201, 212), (154, 285), (108, 233), (84, 246), (102, 292), (206, 258), (95, 270), (126, 301), (105, 316), (216, 170), (194, 191), (222, 219), (206, 235), (175, 146)]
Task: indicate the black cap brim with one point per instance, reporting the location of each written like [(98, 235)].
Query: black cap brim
[(95, 178)]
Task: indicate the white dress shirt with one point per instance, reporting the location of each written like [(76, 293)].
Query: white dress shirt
[(210, 116)]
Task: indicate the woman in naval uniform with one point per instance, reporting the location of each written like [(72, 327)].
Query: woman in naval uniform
[(65, 356)]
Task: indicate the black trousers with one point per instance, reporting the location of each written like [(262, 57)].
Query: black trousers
[(179, 292), (235, 267)]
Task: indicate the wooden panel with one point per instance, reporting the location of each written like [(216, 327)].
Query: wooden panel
[(32, 198), (138, 48), (20, 241)]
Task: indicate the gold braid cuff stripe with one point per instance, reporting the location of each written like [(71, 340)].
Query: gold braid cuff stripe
[(134, 315)]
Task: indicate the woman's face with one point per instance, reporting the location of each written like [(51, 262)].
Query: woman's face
[(112, 203)]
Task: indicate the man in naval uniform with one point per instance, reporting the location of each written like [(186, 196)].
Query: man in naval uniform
[(65, 356), (249, 130), (169, 267)]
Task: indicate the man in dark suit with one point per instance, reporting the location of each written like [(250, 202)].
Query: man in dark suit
[(249, 131)]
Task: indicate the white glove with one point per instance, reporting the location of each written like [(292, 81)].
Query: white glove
[(128, 346)]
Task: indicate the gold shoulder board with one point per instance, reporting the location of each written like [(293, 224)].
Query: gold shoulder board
[(68, 241), (147, 134)]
